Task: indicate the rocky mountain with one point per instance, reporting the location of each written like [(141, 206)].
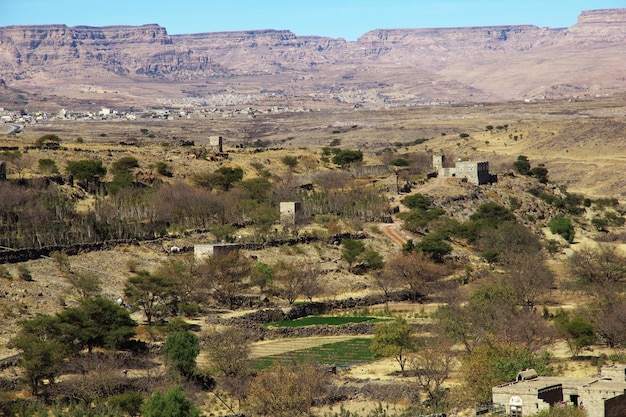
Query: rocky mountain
[(145, 65)]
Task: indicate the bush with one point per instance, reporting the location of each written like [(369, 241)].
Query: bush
[(24, 273), (290, 161), (562, 226), (346, 157), (129, 402), (417, 201), (48, 166), (400, 162)]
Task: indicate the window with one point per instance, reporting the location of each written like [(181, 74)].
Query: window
[(516, 411)]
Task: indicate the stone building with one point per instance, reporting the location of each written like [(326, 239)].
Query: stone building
[(290, 213), (473, 172), (210, 249), (602, 395), (216, 143)]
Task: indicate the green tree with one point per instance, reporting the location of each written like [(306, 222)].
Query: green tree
[(181, 350), (578, 331), (173, 404), (562, 226), (86, 284), (492, 215), (47, 139), (351, 249), (222, 178), (97, 322), (290, 161), (346, 157), (87, 171), (154, 294), (522, 165), (417, 201), (394, 339), (124, 164), (41, 351), (490, 366), (434, 246)]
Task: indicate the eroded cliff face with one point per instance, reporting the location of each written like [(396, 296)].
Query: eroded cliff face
[(393, 66)]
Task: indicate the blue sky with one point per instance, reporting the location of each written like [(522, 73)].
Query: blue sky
[(335, 18)]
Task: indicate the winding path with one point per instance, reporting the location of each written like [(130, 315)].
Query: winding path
[(394, 230)]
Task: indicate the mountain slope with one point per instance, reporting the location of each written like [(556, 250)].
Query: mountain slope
[(137, 65)]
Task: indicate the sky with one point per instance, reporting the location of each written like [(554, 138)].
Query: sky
[(346, 19)]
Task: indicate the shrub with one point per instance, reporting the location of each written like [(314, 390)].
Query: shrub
[(290, 161), (561, 225), (129, 402), (346, 157), (24, 273), (48, 166), (400, 162)]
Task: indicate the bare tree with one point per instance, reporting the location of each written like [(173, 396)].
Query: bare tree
[(432, 365), (415, 270), (283, 391), (599, 266)]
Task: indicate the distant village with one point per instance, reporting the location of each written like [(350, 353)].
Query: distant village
[(25, 117)]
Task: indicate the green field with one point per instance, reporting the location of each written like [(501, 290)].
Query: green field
[(349, 352)]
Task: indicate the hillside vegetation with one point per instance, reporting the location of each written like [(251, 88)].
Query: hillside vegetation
[(391, 291)]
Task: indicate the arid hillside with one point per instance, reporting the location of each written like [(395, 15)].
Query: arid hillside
[(126, 66)]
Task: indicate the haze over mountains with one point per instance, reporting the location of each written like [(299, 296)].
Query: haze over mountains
[(127, 65)]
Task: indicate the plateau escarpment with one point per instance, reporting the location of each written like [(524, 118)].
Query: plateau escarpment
[(383, 67)]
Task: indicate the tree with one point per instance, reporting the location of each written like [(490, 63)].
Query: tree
[(182, 271), (490, 366), (87, 171), (529, 276), (97, 322), (228, 350), (372, 259), (432, 365), (578, 331), (222, 178), (283, 391), (598, 266), (351, 249), (45, 140), (394, 339), (289, 278), (434, 246), (492, 215), (346, 157), (124, 164), (561, 225), (41, 351), (173, 404), (86, 284), (417, 201), (152, 293), (222, 275), (181, 349), (290, 161), (522, 165), (415, 270)]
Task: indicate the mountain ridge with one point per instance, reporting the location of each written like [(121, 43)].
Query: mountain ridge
[(140, 64)]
